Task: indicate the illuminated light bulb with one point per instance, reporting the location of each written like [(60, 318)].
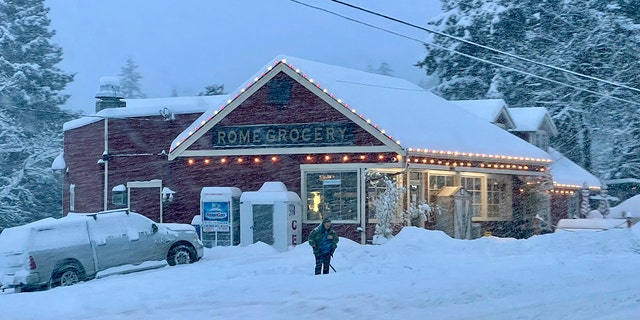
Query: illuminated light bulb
[(177, 143), (256, 79), (439, 162), (190, 161), (256, 160), (432, 161), (380, 157), (297, 70), (207, 161), (424, 160), (240, 160), (274, 159), (311, 80), (284, 60), (309, 158), (190, 132), (216, 112), (270, 67), (482, 165), (325, 90), (345, 158), (339, 100), (526, 167), (382, 131), (416, 160), (446, 164), (223, 160), (369, 121), (203, 122), (397, 141), (353, 110), (242, 90), (468, 164), (228, 101), (327, 158), (362, 157)]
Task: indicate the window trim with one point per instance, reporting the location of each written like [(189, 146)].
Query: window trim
[(306, 169), (484, 214)]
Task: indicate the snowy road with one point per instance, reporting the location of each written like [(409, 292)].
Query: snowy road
[(419, 274)]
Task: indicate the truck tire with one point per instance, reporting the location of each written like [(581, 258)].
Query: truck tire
[(181, 254), (66, 275)]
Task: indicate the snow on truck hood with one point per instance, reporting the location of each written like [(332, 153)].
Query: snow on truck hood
[(178, 226)]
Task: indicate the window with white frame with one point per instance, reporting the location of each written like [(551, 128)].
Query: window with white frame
[(332, 194), (436, 182), (499, 195), (491, 195)]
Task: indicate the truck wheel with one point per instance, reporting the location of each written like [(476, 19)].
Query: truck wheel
[(65, 276), (181, 254)]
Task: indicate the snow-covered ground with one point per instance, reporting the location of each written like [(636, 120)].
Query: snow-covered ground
[(419, 274)]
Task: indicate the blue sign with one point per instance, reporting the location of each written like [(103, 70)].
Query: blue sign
[(215, 217)]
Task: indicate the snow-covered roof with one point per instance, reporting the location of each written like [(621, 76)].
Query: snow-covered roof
[(626, 209), (487, 109), (59, 163), (567, 173), (405, 112), (532, 119), (150, 107)]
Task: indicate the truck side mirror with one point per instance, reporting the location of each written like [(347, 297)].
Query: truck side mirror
[(154, 228)]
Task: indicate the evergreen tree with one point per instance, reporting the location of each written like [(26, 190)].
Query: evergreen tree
[(30, 82), (130, 80), (386, 206), (213, 90), (30, 115), (595, 38)]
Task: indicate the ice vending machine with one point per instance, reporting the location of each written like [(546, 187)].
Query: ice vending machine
[(271, 215), (220, 216)]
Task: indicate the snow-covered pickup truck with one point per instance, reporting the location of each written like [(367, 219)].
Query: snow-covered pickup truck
[(61, 252)]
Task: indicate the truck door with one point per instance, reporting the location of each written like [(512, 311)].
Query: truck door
[(109, 232)]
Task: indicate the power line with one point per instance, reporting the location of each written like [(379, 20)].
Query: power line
[(485, 47), (471, 56)]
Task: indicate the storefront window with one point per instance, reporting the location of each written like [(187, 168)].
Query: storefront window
[(376, 186), (333, 195), (436, 182)]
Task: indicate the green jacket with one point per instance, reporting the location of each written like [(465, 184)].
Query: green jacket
[(323, 240)]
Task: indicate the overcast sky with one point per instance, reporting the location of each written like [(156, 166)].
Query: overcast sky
[(187, 45)]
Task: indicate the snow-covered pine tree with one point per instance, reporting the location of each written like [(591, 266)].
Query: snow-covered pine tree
[(596, 38), (30, 82), (30, 115), (130, 80), (386, 206)]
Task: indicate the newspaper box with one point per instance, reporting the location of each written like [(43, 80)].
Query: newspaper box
[(220, 216), (271, 215)]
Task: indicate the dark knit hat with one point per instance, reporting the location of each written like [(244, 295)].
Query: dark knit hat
[(325, 220)]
